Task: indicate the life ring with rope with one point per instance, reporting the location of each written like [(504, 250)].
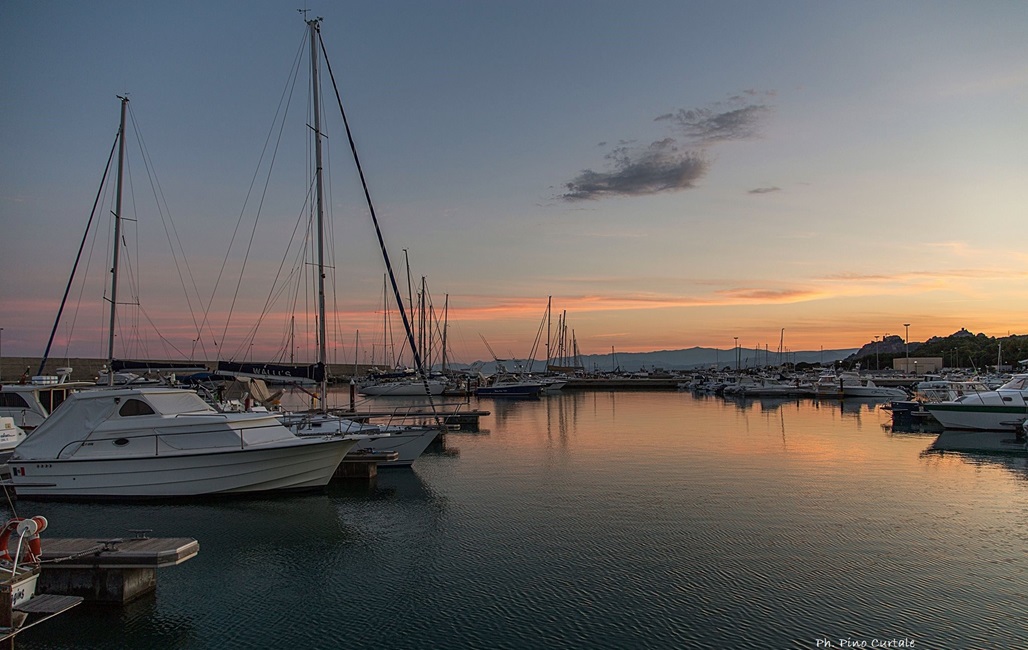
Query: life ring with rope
[(26, 528)]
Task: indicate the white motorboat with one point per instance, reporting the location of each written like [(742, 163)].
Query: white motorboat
[(154, 442), (10, 436), (867, 388), (851, 384), (408, 441), (31, 402), (406, 387), (1003, 409)]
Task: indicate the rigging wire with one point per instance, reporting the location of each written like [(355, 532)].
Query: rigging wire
[(78, 257), (170, 231), (282, 109), (378, 231)]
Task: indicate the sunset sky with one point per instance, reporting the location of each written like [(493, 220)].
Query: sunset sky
[(672, 173)]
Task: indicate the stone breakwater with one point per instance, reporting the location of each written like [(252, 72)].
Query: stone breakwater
[(85, 369)]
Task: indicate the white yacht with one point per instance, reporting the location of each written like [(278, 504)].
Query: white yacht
[(1005, 408), (11, 436), (851, 384), (408, 441), (30, 403), (403, 387), (153, 442)]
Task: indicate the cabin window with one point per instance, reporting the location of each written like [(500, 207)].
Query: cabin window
[(13, 401), (57, 396), (135, 407)]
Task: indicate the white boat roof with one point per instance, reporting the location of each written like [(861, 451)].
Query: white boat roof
[(143, 410)]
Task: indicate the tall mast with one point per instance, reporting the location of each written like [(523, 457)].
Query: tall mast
[(446, 320), (117, 240), (549, 332), (320, 185)]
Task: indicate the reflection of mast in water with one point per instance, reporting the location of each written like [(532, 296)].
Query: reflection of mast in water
[(781, 412), (558, 403)]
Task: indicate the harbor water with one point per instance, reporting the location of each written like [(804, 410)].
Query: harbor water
[(599, 520)]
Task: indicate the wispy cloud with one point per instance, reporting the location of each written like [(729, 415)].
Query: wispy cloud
[(677, 161), (770, 296), (708, 126), (765, 190)]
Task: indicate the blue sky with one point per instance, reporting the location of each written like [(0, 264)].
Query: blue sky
[(672, 173)]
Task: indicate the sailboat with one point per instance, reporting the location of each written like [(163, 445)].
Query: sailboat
[(156, 442), (409, 441)]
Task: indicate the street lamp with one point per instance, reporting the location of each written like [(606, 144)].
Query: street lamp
[(737, 354), (877, 367), (1, 352), (906, 345)]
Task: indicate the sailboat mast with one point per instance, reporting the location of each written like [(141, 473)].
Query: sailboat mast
[(117, 240), (320, 185), (446, 320), (549, 332)]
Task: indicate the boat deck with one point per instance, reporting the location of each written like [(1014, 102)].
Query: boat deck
[(134, 553)]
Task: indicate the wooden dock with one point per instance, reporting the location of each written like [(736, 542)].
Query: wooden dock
[(114, 571), (363, 464)]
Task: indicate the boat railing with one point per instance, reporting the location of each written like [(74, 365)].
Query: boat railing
[(167, 436), (419, 415)]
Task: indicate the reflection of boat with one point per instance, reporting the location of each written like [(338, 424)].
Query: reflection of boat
[(1003, 409), (161, 442), (1001, 442)]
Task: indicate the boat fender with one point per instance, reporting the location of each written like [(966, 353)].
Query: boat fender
[(27, 528)]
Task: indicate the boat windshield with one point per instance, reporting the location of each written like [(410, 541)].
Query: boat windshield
[(178, 402), (1020, 382)]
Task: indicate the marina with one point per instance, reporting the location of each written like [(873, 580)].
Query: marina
[(368, 477), (606, 519)]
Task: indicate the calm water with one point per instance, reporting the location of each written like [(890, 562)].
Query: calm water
[(600, 520)]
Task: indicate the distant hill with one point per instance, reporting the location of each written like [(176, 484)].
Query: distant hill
[(690, 359)]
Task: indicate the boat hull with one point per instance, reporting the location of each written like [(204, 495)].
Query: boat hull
[(509, 391), (304, 464), (408, 444), (978, 417)]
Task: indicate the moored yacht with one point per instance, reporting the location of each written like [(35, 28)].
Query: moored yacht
[(153, 442), (1005, 408), (31, 402)]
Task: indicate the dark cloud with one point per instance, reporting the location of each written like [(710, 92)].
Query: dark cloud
[(673, 163), (660, 168), (707, 125), (765, 190)]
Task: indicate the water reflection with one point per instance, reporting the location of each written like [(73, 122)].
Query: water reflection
[(582, 519)]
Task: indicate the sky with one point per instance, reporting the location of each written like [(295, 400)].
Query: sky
[(672, 173)]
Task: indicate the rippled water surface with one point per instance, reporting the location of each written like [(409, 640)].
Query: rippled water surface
[(601, 520)]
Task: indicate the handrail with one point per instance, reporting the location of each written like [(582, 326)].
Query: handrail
[(158, 435)]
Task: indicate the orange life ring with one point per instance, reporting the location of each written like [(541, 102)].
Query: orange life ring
[(28, 528)]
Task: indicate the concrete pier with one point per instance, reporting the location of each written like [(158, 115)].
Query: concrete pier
[(363, 465)]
